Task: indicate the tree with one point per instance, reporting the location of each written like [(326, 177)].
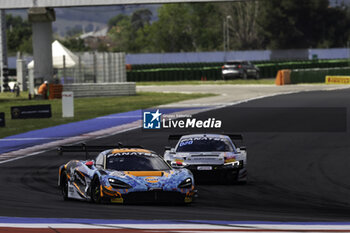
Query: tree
[(120, 33), (303, 24), (140, 18), (19, 34), (174, 28), (75, 45), (116, 19), (242, 19), (207, 26)]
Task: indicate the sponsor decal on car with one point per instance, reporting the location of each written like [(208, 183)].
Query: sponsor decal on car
[(152, 179)]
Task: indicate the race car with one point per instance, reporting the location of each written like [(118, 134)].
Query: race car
[(210, 156), (123, 175)]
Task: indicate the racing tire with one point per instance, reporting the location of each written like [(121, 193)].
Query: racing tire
[(245, 75), (242, 182), (231, 178), (64, 186), (96, 191), (257, 75)]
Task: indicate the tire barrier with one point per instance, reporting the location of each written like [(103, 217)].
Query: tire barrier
[(212, 71), (316, 75)]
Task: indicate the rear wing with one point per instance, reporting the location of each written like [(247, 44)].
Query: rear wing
[(173, 137), (88, 148), (234, 137)]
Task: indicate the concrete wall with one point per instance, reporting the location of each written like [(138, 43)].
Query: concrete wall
[(251, 55), (101, 89)]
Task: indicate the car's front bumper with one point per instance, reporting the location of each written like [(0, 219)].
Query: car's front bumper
[(216, 172), (156, 195)]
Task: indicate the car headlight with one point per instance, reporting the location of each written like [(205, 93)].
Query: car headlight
[(235, 164), (118, 184), (187, 183)]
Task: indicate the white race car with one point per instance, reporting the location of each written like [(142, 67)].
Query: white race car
[(210, 156)]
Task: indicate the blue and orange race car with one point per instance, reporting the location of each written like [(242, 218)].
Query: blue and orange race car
[(124, 175)]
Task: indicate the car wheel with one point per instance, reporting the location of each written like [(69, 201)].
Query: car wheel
[(64, 186), (244, 75), (257, 76), (230, 177), (241, 181), (95, 191)]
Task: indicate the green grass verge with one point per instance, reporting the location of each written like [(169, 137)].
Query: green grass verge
[(85, 108), (218, 82)]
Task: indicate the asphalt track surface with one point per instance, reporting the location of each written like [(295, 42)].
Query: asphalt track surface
[(296, 173)]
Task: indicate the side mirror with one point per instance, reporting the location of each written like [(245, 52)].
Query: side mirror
[(90, 163), (178, 164), (243, 148), (171, 150)]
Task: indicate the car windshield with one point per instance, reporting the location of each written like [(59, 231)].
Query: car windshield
[(203, 144), (233, 63), (136, 162)]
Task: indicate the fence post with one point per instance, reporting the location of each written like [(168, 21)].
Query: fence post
[(109, 67), (115, 70), (21, 72), (64, 70), (80, 76), (123, 68), (31, 82), (95, 67), (104, 66)]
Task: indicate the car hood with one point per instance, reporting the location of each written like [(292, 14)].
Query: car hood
[(153, 179)]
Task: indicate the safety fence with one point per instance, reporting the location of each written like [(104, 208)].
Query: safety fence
[(90, 68), (212, 71)]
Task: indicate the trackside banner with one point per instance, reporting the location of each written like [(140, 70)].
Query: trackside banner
[(31, 111), (337, 79), (2, 119)]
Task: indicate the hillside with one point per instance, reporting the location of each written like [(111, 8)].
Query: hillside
[(91, 18)]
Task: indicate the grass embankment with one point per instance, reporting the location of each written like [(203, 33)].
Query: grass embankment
[(85, 108), (217, 82)]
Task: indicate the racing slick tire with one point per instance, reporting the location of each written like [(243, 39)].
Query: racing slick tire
[(96, 191), (257, 75), (64, 186), (244, 75), (232, 178), (241, 182)]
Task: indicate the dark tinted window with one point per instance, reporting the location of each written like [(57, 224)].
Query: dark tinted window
[(136, 162), (233, 63), (203, 144)]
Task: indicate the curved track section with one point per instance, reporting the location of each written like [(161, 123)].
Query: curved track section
[(293, 176)]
